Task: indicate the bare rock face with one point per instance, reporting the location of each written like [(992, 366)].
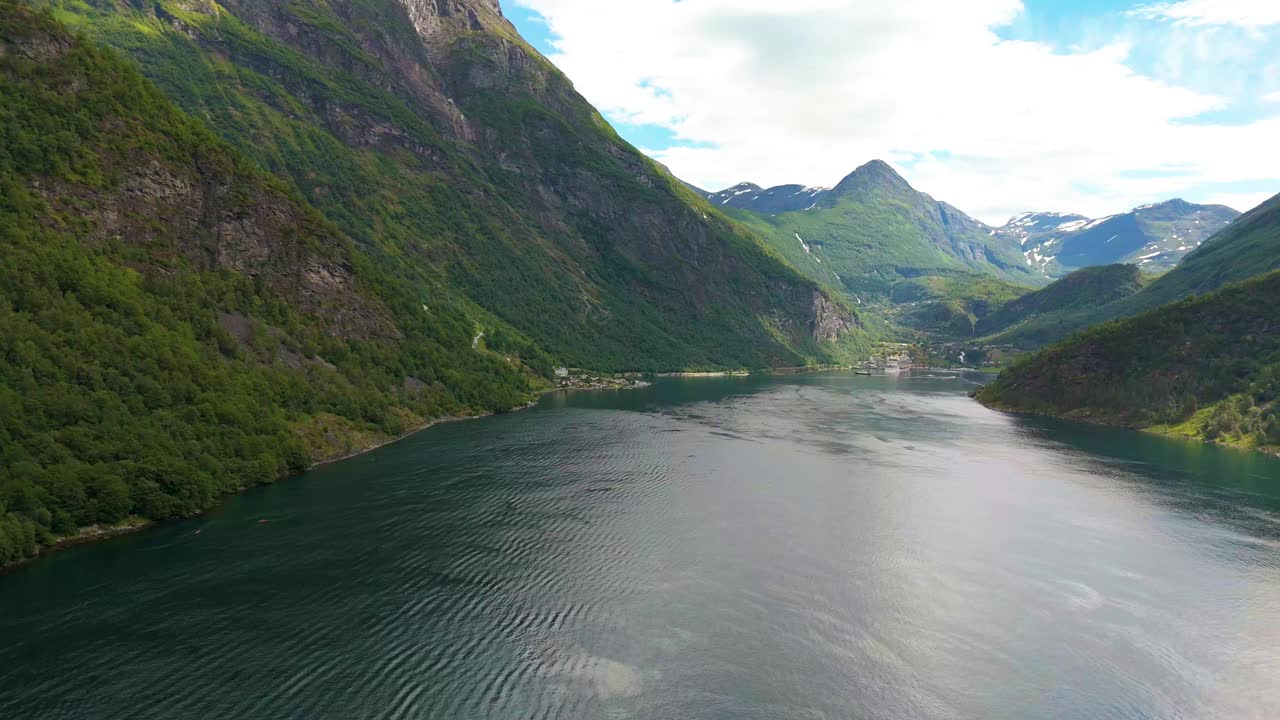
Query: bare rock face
[(220, 221), (36, 46), (829, 320), (440, 21), (204, 7)]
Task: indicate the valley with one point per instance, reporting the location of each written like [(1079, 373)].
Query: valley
[(864, 449), (391, 221)]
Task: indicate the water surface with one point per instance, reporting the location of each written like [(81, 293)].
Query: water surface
[(828, 546)]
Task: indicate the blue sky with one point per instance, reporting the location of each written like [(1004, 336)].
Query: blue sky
[(1087, 106), (533, 27)]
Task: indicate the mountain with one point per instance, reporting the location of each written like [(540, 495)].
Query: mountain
[(1247, 246), (873, 231), (1205, 367), (951, 306), (176, 324), (1040, 232), (783, 198), (1072, 295), (1250, 245), (439, 141), (314, 226), (1154, 237)]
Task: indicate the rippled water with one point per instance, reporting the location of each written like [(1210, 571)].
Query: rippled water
[(819, 547)]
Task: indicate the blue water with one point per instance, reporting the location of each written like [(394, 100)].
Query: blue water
[(829, 546)]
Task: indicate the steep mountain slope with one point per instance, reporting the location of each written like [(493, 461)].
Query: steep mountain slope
[(1032, 228), (1207, 366), (873, 230), (435, 137), (1248, 246), (1038, 233), (1077, 293), (175, 324), (1154, 237)]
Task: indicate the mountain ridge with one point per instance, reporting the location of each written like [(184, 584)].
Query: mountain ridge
[(1155, 236), (873, 231), (1248, 246)]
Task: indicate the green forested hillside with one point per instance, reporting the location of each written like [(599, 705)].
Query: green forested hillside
[(455, 156), (1248, 246), (1207, 366), (330, 242), (953, 306), (889, 248), (1038, 316), (174, 324), (874, 230)]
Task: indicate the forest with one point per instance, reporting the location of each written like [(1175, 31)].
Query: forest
[(141, 381), (1205, 366)]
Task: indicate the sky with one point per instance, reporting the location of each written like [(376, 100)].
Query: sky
[(996, 106)]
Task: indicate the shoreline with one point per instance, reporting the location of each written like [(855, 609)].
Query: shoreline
[(1149, 430), (706, 374), (98, 533)]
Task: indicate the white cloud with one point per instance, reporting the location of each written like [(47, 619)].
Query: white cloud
[(1245, 13), (804, 91), (1244, 202), (1272, 97)]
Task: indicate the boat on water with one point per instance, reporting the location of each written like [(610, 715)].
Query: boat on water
[(861, 372)]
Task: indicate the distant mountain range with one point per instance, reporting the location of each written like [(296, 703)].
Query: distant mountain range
[(1154, 237), (783, 198), (873, 231), (1247, 246), (1198, 355)]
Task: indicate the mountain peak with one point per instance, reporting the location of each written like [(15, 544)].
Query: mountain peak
[(873, 175), (1174, 203), (879, 169), (742, 192)]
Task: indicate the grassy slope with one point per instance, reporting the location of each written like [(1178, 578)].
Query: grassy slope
[(869, 254), (1207, 366), (139, 377)]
